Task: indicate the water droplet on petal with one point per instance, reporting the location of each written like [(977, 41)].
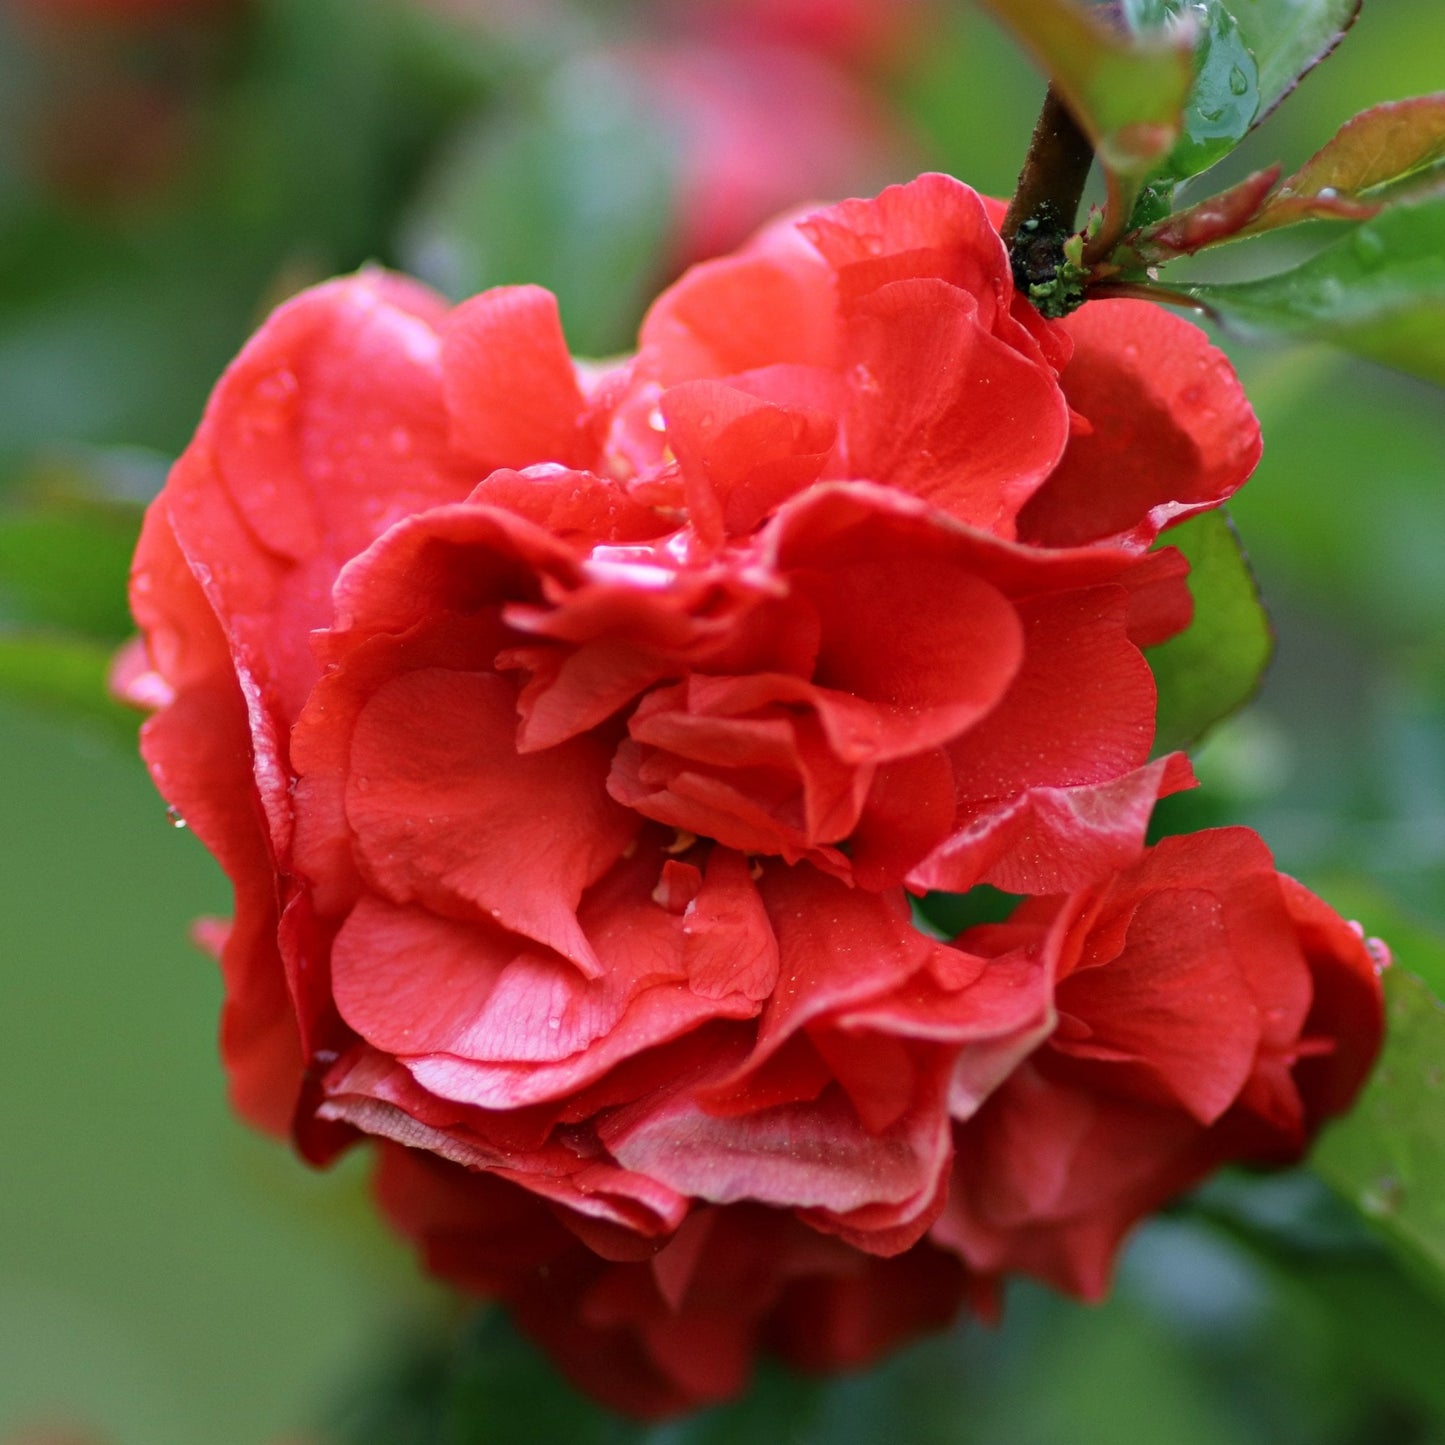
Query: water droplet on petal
[(554, 1022), (174, 815)]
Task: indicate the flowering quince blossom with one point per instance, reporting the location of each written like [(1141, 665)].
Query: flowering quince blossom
[(574, 735), (1140, 1089)]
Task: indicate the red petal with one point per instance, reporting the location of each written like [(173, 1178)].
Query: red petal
[(771, 304), (1173, 1016), (740, 455), (511, 388), (326, 429), (449, 813), (1080, 711), (198, 750), (932, 227), (1348, 1005), (1172, 432), (1053, 840), (910, 623), (945, 410), (815, 1155)]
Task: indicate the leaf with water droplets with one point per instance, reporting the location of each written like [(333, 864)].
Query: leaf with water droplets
[(1288, 38), (1126, 89), (1379, 291), (1387, 1157), (1213, 667), (1224, 98)]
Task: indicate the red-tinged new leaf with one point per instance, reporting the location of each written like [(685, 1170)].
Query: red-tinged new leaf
[(1210, 222), (1384, 144)]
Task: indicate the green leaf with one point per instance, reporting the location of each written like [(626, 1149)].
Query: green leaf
[(1388, 1156), (1224, 98), (67, 675), (1126, 90), (64, 562), (1289, 38), (1379, 292), (572, 192), (1214, 666)]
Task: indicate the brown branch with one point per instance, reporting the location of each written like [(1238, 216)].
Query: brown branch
[(1051, 183)]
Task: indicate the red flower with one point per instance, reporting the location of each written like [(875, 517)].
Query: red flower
[(570, 737), (1209, 1010), (656, 1332), (896, 322)]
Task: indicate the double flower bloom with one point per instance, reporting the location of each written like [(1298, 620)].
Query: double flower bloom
[(575, 738)]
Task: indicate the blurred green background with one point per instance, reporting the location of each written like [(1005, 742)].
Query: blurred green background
[(169, 171)]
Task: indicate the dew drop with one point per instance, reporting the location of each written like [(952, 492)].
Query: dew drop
[(554, 1022), (1238, 81), (173, 814), (271, 402), (279, 387)]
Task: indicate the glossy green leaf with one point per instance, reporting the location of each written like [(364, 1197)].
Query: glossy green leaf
[(1289, 38), (1379, 291), (66, 675), (1126, 90), (1224, 98), (1214, 666), (573, 192), (1387, 1156)]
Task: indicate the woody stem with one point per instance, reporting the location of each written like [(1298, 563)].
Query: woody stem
[(1041, 216)]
